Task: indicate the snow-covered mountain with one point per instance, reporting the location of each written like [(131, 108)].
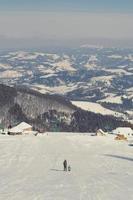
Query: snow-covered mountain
[(49, 112), (94, 74)]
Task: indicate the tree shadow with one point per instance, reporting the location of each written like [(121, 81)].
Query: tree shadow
[(120, 157), (57, 170)]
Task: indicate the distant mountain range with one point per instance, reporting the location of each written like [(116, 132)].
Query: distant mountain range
[(93, 74)]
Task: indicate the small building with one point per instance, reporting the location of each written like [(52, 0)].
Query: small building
[(126, 131), (14, 131), (23, 127), (100, 132)]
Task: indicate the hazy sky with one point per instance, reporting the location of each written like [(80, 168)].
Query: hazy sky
[(64, 20)]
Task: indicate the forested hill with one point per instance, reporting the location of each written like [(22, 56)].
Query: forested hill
[(49, 112)]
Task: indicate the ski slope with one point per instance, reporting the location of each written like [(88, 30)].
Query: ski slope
[(31, 168)]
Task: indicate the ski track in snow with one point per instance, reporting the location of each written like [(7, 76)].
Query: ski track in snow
[(31, 168)]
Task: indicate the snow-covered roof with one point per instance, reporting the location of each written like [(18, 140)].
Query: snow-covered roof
[(20, 127), (100, 130), (15, 130), (24, 125), (123, 130)]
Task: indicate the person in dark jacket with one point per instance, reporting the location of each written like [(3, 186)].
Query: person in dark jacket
[(65, 165)]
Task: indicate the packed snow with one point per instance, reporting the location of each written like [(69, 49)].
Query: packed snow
[(31, 167)]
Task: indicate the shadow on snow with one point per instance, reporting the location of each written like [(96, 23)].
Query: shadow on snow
[(57, 170), (120, 157)]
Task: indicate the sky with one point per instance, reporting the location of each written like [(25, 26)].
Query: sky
[(68, 5), (33, 22)]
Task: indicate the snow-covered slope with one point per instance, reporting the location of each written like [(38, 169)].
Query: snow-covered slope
[(107, 70), (96, 108), (87, 73), (31, 168)]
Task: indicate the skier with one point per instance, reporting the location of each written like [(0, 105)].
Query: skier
[(69, 168), (65, 165)]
